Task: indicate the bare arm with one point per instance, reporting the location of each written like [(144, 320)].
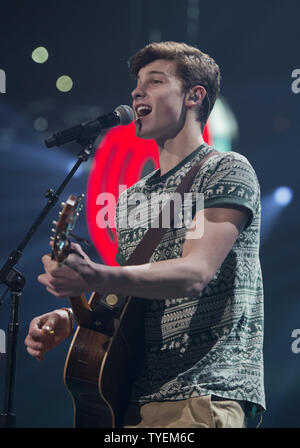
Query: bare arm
[(188, 275), (181, 277)]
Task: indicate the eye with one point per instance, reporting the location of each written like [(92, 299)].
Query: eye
[(156, 81)]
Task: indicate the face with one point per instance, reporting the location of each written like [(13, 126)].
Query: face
[(158, 101)]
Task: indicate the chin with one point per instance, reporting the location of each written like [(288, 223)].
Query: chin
[(146, 135)]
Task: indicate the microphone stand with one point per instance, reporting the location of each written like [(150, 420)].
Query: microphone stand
[(15, 282)]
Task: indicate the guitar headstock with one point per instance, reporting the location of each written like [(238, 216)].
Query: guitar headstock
[(62, 231)]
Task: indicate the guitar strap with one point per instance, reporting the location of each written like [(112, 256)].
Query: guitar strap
[(154, 235)]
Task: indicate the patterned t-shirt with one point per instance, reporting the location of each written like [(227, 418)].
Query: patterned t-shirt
[(211, 343)]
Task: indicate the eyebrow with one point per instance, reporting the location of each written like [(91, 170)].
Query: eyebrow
[(154, 72)]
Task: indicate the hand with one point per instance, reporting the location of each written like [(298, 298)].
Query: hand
[(70, 278), (46, 332)]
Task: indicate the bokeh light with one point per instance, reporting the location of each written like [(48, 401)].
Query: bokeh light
[(40, 55), (283, 195), (40, 124), (64, 83)]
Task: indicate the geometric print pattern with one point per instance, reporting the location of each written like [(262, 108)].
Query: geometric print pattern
[(211, 343)]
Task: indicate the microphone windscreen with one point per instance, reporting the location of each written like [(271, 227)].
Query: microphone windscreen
[(126, 114)]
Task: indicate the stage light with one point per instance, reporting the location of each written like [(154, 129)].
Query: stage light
[(283, 196), (40, 55), (272, 207), (64, 83)]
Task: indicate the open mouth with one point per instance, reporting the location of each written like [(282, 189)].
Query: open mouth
[(143, 111)]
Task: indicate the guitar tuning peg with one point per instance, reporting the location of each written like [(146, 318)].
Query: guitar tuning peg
[(53, 230), (52, 238), (63, 204), (54, 222), (60, 213)]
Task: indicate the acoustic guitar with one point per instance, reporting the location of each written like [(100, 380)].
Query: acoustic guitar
[(108, 343)]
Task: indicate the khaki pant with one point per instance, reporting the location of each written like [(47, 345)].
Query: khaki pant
[(198, 412)]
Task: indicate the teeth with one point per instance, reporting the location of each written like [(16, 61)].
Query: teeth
[(141, 109)]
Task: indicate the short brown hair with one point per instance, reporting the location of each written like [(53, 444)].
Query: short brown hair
[(193, 67)]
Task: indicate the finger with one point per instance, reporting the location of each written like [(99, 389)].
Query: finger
[(29, 340), (36, 332), (73, 257), (35, 326), (36, 346), (50, 265), (48, 281), (35, 323), (47, 270), (54, 271), (47, 258), (35, 335), (75, 247), (43, 278), (72, 260), (49, 326), (35, 353), (48, 330)]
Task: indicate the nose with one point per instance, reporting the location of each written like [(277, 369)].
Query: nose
[(137, 93)]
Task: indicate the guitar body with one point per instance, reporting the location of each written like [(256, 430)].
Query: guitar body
[(81, 375), (100, 366)]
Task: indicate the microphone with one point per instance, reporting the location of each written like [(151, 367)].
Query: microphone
[(89, 130)]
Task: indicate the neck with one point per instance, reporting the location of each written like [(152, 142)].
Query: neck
[(172, 151)]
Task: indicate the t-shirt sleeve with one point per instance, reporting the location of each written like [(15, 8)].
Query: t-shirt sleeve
[(233, 181)]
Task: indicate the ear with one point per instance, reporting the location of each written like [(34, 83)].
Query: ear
[(195, 96)]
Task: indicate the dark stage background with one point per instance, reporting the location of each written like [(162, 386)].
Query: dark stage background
[(256, 44)]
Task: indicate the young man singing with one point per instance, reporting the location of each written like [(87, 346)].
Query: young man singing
[(203, 363)]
